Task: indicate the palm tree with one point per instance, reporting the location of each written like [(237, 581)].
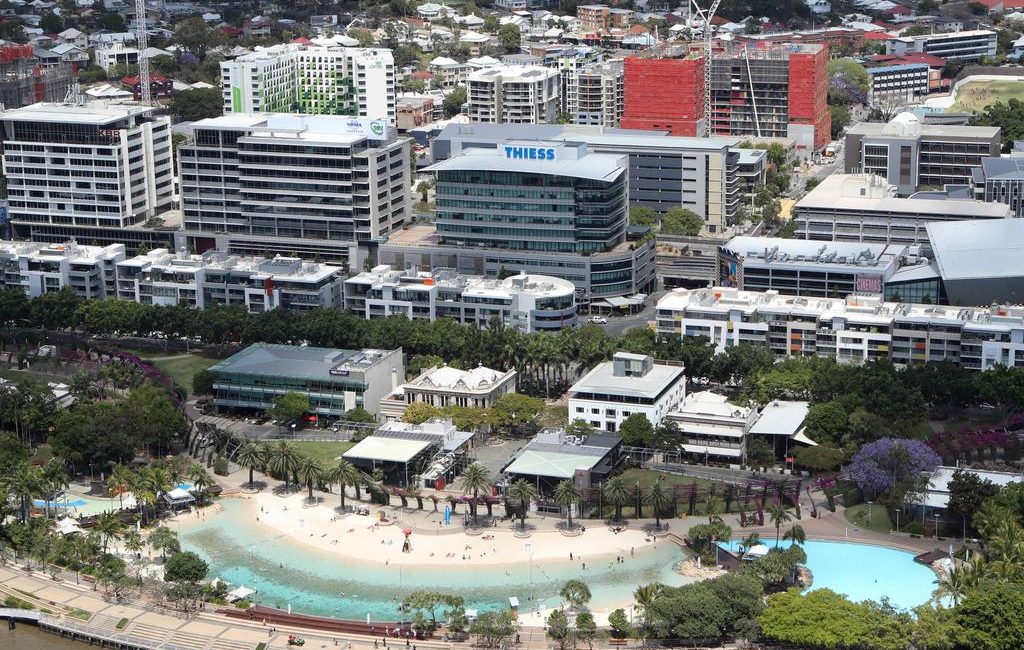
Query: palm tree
[(521, 493), (475, 478), (960, 580), (284, 461), (750, 541), (344, 474), (119, 481), (659, 499), (132, 541), (53, 478), (110, 528), (779, 515), (23, 484), (644, 596), (567, 494), (796, 535), (201, 482), (616, 492), (310, 472), (576, 593), (250, 455), (163, 539)]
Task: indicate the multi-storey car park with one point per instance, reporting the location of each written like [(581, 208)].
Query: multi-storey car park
[(854, 329)]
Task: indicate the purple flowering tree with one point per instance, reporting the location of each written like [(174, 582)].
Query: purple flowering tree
[(890, 465)]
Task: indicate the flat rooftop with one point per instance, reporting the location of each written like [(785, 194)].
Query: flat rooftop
[(320, 128), (298, 362), (96, 113), (602, 380), (589, 166), (842, 192), (896, 129), (780, 251)]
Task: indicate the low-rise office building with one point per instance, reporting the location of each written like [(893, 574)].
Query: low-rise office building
[(628, 384), (895, 85), (711, 427), (967, 45), (427, 455), (852, 330), (161, 277), (1001, 180), (528, 303), (913, 156), (334, 381), (554, 456), (443, 386), (513, 95), (38, 268), (866, 208)]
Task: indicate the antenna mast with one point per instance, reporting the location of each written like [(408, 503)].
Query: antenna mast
[(141, 41)]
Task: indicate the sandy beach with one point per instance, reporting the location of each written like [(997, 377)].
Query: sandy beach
[(363, 538)]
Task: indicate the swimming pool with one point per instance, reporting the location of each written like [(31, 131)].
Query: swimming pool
[(82, 505), (866, 571), (313, 581)]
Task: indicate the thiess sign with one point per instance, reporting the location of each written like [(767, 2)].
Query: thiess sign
[(529, 153)]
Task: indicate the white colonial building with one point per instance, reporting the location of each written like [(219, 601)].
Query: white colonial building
[(443, 386), (628, 384)]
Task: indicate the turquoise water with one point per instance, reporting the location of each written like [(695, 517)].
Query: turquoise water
[(865, 571), (315, 581)]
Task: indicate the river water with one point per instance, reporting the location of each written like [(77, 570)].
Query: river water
[(28, 637)]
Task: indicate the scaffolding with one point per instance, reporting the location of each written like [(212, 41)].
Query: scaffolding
[(23, 81)]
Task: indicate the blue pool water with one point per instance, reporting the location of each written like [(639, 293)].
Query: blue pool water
[(77, 503), (866, 571), (184, 486), (314, 581)]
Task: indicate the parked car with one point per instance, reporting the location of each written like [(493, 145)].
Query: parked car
[(598, 320)]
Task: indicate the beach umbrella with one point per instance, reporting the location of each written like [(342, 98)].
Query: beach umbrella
[(407, 531)]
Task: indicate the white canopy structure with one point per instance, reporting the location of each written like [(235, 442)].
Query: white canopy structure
[(239, 593)]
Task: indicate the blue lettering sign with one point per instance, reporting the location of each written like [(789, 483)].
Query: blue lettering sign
[(529, 153)]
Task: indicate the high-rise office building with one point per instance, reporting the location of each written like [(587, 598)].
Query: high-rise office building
[(314, 80), (518, 94), (295, 185), (93, 173)]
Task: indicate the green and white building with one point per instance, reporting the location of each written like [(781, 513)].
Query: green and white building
[(314, 80)]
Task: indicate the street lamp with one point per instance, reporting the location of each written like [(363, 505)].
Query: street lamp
[(637, 499), (898, 521), (870, 503), (936, 515)]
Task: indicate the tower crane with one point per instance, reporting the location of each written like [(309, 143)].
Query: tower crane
[(141, 38), (706, 15)]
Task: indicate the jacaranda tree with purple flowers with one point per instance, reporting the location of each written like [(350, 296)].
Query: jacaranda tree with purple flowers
[(890, 467)]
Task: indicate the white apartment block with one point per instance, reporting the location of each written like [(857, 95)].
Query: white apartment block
[(293, 185), (74, 171), (969, 45), (443, 386), (896, 85), (528, 303), (89, 271), (518, 94), (628, 384), (161, 277), (314, 80), (855, 329), (598, 93)]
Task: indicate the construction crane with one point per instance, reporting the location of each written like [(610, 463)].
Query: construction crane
[(706, 15), (142, 42)]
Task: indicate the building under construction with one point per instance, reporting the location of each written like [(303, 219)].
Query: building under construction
[(769, 91), (24, 81)]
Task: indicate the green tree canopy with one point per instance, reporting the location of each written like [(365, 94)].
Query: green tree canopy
[(197, 104), (636, 430), (641, 215), (185, 567), (510, 38), (680, 221), (290, 406)]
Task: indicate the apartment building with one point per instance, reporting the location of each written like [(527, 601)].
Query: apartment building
[(895, 85), (865, 208), (528, 303), (313, 186), (598, 94), (913, 156), (93, 173), (968, 45), (628, 384), (312, 80), (705, 175), (162, 277), (770, 91), (854, 329), (513, 95), (38, 268)]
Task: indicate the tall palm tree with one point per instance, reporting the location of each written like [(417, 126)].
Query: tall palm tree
[(750, 541), (568, 494), (53, 478), (119, 481), (201, 482), (779, 515), (796, 535), (250, 456), (644, 596), (475, 479), (284, 460), (310, 473), (110, 528), (344, 474), (23, 484), (132, 541), (616, 492), (521, 493), (956, 584), (659, 498)]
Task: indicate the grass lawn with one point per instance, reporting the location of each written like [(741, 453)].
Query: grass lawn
[(858, 515), (182, 368), (974, 97), (647, 478), (325, 452)]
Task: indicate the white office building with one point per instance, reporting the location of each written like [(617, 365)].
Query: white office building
[(42, 268), (90, 172), (314, 80), (161, 277), (628, 384), (855, 329), (517, 94), (528, 303), (968, 45), (443, 386), (712, 427), (293, 185)]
